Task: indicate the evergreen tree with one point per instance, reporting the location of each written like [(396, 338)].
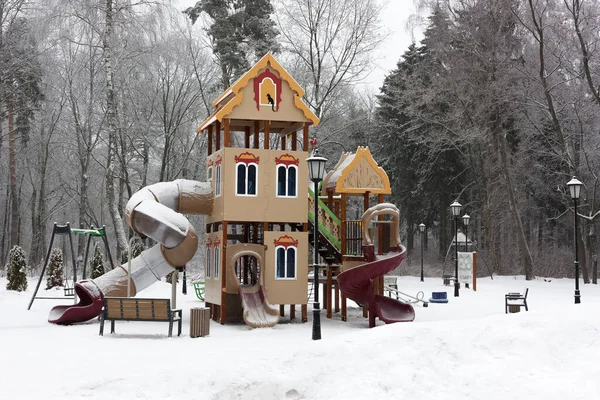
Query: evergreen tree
[(240, 30), (56, 269), (97, 263), (17, 270)]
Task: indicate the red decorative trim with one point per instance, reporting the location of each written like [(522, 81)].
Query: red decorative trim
[(209, 242), (218, 160), (210, 162), (287, 160), (276, 81), (247, 158), (217, 242), (286, 241)]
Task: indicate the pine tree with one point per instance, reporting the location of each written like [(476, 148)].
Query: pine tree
[(97, 263), (56, 269), (17, 270), (241, 30)]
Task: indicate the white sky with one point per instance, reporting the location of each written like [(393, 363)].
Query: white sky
[(394, 17)]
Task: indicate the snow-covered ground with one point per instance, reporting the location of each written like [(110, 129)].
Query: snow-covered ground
[(466, 349)]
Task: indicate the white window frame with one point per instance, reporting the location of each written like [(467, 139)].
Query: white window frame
[(216, 262), (218, 180), (247, 167), (287, 170), (285, 261), (209, 173), (208, 265)]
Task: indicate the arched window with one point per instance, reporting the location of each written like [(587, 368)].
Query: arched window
[(218, 181), (285, 260), (209, 173), (246, 179), (287, 184), (208, 265), (216, 261)]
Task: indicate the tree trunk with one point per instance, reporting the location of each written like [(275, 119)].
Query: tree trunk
[(14, 211), (113, 128), (524, 253)]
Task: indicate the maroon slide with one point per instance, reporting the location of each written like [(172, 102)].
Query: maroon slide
[(357, 284), (90, 305)]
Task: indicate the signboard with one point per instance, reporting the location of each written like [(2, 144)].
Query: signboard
[(466, 262)]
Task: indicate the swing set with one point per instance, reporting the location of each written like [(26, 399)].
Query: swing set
[(66, 230)]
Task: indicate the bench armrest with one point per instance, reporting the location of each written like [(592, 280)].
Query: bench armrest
[(177, 312)]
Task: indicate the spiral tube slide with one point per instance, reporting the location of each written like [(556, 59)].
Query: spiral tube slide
[(155, 212), (357, 283)]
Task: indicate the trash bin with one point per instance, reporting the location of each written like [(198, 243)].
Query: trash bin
[(199, 322)]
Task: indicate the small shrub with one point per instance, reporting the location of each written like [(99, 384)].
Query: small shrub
[(17, 270), (56, 268)]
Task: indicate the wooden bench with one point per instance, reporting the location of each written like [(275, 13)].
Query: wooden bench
[(514, 301), (131, 309)]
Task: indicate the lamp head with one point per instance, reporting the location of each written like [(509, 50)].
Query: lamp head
[(466, 218), (574, 186), (316, 166), (422, 227), (455, 207)]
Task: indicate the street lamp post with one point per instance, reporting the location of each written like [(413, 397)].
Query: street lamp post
[(422, 230), (575, 189), (466, 219), (316, 171), (456, 207)]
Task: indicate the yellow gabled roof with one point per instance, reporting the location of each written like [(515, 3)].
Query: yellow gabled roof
[(224, 109), (336, 179), (252, 72)]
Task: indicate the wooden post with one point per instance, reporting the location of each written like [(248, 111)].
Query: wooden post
[(343, 220), (305, 136), (294, 141), (337, 291), (217, 135), (256, 134), (380, 227), (267, 133), (247, 137), (226, 132), (282, 310), (210, 139), (283, 140), (224, 275), (329, 291), (292, 312), (474, 271), (344, 315), (304, 311)]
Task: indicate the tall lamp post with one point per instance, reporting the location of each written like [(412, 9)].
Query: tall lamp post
[(575, 189), (316, 171), (466, 218), (422, 230), (456, 207)]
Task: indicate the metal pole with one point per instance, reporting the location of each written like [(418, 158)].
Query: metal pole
[(316, 331), (129, 268), (577, 294), (422, 280), (466, 239), (456, 294)]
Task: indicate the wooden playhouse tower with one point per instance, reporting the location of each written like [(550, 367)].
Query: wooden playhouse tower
[(258, 139)]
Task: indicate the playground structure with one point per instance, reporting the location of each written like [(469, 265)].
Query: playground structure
[(257, 204)]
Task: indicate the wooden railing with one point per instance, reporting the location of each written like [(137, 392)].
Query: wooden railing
[(329, 224)]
